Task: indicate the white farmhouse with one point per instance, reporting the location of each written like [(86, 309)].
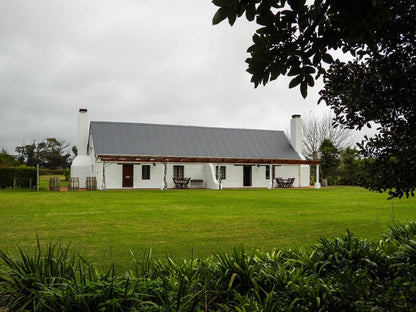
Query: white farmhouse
[(137, 155)]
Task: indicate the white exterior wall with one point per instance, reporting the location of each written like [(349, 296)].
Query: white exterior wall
[(296, 133), (301, 173), (83, 164), (258, 176), (114, 175), (233, 176), (205, 172), (82, 168), (287, 171), (305, 175), (210, 180)]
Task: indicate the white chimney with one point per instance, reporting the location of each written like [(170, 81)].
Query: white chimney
[(82, 165), (82, 131), (296, 133)]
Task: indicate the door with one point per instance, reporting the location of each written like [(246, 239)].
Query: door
[(247, 176), (127, 175)]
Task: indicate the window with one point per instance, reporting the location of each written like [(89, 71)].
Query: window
[(267, 172), (145, 172), (223, 176), (178, 172)]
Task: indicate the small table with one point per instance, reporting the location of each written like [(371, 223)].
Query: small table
[(285, 183), (181, 183)]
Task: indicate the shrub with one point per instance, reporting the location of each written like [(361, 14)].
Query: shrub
[(22, 177), (346, 273), (46, 171), (67, 174)]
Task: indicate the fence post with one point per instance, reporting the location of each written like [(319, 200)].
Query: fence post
[(37, 177)]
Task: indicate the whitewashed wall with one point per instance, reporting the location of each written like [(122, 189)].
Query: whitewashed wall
[(305, 175), (205, 172), (301, 173), (234, 176), (259, 176), (83, 166), (210, 181), (114, 175)]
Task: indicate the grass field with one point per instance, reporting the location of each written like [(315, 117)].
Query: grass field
[(105, 226), (44, 181)]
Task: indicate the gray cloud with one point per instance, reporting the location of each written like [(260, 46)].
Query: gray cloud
[(142, 61)]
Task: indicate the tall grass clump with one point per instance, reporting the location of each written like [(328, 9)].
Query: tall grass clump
[(346, 273)]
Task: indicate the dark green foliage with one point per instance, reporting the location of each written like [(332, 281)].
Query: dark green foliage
[(50, 153), (342, 167), (7, 160), (67, 174), (20, 177), (46, 171), (377, 87), (351, 170), (341, 274), (64, 172), (329, 158)]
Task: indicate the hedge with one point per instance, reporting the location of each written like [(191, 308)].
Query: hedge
[(20, 177), (47, 171)]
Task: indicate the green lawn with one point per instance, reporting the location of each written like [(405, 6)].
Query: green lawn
[(105, 226), (44, 181)]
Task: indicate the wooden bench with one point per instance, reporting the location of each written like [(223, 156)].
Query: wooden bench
[(199, 182)]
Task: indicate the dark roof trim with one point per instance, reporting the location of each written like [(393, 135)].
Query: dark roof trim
[(133, 159)]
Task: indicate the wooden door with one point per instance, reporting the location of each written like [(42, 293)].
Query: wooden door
[(247, 176), (127, 175)]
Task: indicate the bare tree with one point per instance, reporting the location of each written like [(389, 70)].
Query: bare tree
[(315, 130)]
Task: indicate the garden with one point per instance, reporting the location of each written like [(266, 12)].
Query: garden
[(338, 248)]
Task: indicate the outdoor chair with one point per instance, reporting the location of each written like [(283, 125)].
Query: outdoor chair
[(181, 183)]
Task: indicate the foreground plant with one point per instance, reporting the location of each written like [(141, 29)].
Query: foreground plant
[(346, 273)]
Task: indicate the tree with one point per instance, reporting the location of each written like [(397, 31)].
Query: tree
[(316, 130), (351, 169), (75, 150), (53, 153), (7, 160), (378, 85), (28, 154), (329, 159), (50, 153)]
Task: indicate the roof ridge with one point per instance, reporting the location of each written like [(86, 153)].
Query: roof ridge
[(184, 126)]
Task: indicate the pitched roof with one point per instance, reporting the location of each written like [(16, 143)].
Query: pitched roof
[(138, 139)]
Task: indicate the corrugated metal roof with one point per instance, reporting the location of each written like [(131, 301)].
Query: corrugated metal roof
[(138, 139)]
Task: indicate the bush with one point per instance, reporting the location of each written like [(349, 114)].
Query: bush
[(46, 171), (342, 274), (21, 177), (67, 174)]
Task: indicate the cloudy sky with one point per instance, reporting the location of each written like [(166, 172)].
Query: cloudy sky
[(134, 61)]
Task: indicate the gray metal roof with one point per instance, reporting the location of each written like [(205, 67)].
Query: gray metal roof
[(138, 139)]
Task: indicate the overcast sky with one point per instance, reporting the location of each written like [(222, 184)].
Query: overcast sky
[(134, 61)]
